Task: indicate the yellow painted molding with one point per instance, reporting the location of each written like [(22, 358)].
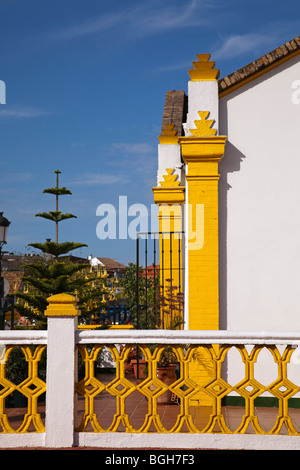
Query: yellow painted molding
[(170, 179), (215, 177), (169, 195), (62, 305), (204, 69), (121, 327), (203, 125), (202, 148), (169, 135), (111, 327)]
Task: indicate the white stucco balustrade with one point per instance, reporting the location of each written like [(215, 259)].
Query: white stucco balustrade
[(61, 339)]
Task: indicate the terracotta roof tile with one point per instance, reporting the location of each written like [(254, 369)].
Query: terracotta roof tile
[(111, 264), (175, 106), (259, 65)]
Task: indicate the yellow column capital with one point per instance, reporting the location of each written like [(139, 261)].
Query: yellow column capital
[(62, 305), (204, 69), (169, 195), (202, 154), (196, 149)]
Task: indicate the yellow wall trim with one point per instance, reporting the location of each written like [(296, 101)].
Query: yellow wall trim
[(169, 195), (170, 179), (204, 69), (203, 178), (202, 149), (62, 305), (203, 125), (111, 327), (169, 135)]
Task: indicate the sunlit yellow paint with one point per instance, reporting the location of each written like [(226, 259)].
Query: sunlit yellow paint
[(202, 152), (32, 387), (168, 135), (202, 155), (62, 305), (111, 327), (204, 69), (203, 125), (192, 419), (169, 197)]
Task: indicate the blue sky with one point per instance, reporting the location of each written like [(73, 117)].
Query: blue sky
[(85, 89)]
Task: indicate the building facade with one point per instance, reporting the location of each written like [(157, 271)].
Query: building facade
[(228, 164)]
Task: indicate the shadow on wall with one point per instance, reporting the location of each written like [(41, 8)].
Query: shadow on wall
[(231, 162)]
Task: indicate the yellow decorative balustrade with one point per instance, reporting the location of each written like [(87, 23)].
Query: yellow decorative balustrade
[(125, 392), (31, 388), (117, 402)]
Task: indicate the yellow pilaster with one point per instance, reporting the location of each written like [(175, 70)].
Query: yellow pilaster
[(169, 197), (202, 152)]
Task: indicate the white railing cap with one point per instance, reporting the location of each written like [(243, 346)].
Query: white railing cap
[(187, 337), (23, 336)]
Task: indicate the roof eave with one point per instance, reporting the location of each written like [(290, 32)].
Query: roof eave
[(259, 67)]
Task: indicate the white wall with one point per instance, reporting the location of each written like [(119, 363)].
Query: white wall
[(202, 96), (260, 204), (169, 157)]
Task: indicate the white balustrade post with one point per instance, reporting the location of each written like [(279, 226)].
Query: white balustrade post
[(62, 316)]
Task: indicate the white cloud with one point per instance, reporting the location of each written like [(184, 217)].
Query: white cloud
[(166, 17), (138, 148), (179, 66), (140, 20), (17, 177), (239, 44), (259, 42), (21, 112), (97, 179), (88, 27)]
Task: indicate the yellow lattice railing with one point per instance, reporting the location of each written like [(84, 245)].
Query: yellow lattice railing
[(124, 391), (117, 402), (31, 388)]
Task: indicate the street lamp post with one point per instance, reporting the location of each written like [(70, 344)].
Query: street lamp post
[(4, 224)]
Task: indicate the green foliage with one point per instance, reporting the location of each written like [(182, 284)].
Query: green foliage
[(55, 216), (146, 297), (45, 278), (158, 306), (57, 249), (54, 277), (171, 303), (167, 357), (57, 191), (50, 275), (17, 366)]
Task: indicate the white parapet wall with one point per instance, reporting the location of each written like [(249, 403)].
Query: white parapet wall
[(61, 369)]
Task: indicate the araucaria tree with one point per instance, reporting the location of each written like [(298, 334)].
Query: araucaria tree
[(54, 248), (53, 273)]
